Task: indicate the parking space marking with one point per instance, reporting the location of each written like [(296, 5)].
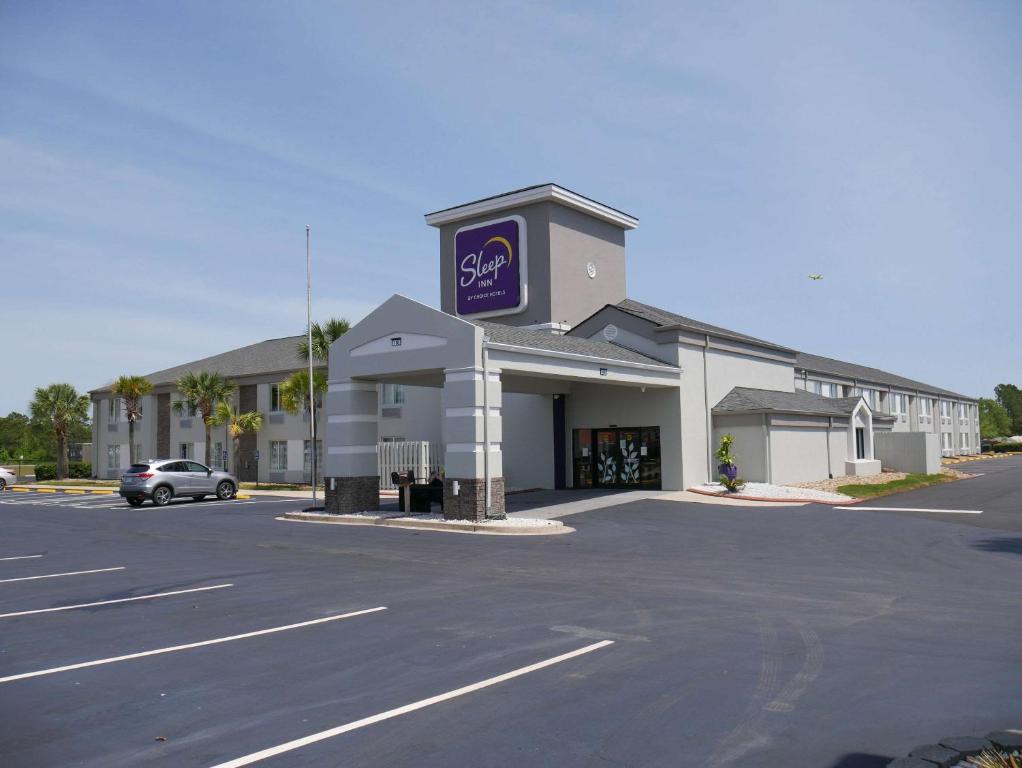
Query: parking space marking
[(289, 746), (186, 646), (69, 573), (20, 557), (914, 509), (111, 602)]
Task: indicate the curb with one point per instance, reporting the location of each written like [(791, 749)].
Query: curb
[(554, 529), (773, 501), (69, 491)]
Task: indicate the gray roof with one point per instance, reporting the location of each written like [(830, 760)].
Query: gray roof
[(865, 374), (812, 363), (270, 356), (664, 318), (749, 400), (575, 345)]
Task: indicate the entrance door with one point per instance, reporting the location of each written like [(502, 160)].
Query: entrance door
[(616, 457)]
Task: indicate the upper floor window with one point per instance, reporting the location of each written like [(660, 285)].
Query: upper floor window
[(393, 394), (945, 409), (925, 406), (114, 409), (899, 403), (275, 398)]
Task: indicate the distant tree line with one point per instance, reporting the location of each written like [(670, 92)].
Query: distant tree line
[(1002, 415)]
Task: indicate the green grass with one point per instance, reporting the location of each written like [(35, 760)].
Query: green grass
[(82, 481), (276, 487), (910, 483)]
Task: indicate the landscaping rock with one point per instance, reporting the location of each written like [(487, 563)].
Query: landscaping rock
[(909, 762), (936, 755), (966, 746), (1009, 740)]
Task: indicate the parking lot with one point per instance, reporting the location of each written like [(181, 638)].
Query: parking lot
[(659, 633)]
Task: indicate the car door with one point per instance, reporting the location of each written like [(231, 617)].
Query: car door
[(200, 479), (177, 475)]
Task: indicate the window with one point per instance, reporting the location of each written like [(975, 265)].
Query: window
[(899, 406), (307, 468), (393, 394), (218, 456), (113, 409), (963, 411), (138, 451), (113, 457), (278, 455), (925, 407), (275, 406), (392, 439), (870, 396), (194, 466), (945, 442), (963, 440), (945, 409), (185, 451), (812, 385)]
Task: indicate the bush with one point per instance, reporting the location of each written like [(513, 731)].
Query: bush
[(76, 470), (45, 471), (79, 470), (1006, 447)]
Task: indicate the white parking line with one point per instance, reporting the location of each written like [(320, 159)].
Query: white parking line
[(255, 757), (111, 602), (20, 557), (185, 647), (70, 573), (914, 509)]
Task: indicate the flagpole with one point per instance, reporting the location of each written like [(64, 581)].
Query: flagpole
[(312, 391)]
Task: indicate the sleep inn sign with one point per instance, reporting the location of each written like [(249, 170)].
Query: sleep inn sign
[(490, 267)]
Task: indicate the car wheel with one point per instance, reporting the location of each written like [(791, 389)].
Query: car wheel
[(200, 497), (3, 484), (225, 490), (162, 496), (136, 502)]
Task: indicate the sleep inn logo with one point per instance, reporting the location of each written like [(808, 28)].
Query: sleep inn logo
[(490, 267)]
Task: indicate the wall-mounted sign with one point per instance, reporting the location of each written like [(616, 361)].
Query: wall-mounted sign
[(491, 267)]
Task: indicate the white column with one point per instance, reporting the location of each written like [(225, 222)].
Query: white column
[(466, 399)]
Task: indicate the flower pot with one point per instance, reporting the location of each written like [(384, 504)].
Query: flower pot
[(730, 471)]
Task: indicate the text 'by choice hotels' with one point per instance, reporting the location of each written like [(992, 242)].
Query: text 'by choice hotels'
[(488, 267)]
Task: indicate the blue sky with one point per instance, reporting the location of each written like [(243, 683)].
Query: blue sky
[(159, 163)]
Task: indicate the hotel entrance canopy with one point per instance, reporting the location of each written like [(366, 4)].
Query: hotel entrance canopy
[(474, 363)]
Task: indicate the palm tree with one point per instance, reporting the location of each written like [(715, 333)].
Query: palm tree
[(238, 424), (294, 391), (203, 391), (131, 390), (322, 337), (61, 408)]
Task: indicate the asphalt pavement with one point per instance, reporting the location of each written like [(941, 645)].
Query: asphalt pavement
[(658, 634)]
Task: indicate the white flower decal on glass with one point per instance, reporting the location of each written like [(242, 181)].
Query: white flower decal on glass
[(630, 464), (607, 466)]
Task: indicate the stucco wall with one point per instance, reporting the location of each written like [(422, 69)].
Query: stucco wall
[(749, 447), (908, 451), (798, 454), (528, 441)]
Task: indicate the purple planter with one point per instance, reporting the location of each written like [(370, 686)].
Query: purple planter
[(730, 471)]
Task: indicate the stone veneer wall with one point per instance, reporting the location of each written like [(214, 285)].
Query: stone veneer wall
[(352, 494), (470, 503)]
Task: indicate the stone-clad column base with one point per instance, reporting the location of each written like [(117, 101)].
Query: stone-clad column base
[(352, 494), (470, 503)]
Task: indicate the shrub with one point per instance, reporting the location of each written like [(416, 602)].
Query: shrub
[(45, 471), (1006, 447), (76, 470)]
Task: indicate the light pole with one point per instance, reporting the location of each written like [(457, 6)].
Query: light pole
[(312, 392)]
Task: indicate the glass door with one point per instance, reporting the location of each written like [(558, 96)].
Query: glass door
[(608, 457), (582, 458)]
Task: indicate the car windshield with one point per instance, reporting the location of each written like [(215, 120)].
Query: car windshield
[(134, 469)]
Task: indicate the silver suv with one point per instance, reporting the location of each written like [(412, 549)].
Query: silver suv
[(163, 479)]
